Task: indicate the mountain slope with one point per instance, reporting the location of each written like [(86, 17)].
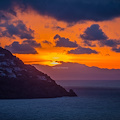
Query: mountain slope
[(77, 71), (18, 80)]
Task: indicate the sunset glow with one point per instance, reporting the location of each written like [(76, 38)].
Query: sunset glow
[(45, 28), (60, 59)]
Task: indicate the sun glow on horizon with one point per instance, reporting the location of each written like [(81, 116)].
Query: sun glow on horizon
[(54, 63), (45, 28)]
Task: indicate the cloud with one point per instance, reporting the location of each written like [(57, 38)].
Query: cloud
[(69, 10), (5, 18), (113, 43), (81, 50), (11, 11), (58, 28), (33, 43), (26, 47), (5, 4), (47, 42), (76, 10), (64, 42), (2, 17), (18, 28), (110, 43), (89, 43), (93, 33), (116, 49)]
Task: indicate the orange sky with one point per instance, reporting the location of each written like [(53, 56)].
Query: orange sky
[(43, 27)]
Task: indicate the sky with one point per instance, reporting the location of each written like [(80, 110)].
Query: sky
[(64, 34)]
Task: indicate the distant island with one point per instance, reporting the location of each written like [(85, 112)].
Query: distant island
[(21, 81)]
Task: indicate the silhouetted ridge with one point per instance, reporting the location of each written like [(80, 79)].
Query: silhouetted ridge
[(18, 80)]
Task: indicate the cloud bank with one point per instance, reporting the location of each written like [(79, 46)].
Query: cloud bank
[(68, 10), (81, 50), (19, 29), (95, 33), (26, 47)]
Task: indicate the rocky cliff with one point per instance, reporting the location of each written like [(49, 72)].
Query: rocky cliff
[(18, 80)]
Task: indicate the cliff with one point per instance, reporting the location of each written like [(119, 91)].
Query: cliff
[(21, 81)]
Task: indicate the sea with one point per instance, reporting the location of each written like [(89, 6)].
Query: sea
[(97, 100)]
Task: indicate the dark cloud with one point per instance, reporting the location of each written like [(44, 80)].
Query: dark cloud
[(47, 42), (110, 43), (64, 42), (70, 10), (58, 28), (116, 49), (89, 43), (81, 50), (2, 17), (8, 6), (33, 43), (113, 43), (5, 4), (94, 33), (26, 47), (76, 10), (18, 28), (11, 11)]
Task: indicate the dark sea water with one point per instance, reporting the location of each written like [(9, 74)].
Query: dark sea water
[(93, 103)]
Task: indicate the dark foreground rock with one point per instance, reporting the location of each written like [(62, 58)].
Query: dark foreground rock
[(20, 81)]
